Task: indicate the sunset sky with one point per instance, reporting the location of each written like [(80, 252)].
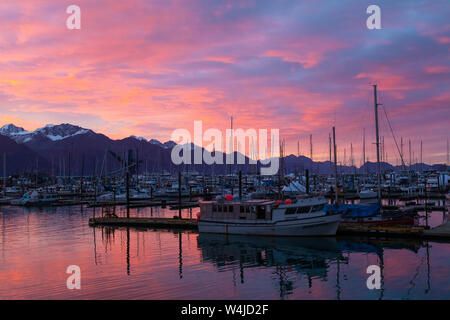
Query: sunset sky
[(147, 67)]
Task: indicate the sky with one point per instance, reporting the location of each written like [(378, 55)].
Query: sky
[(148, 67)]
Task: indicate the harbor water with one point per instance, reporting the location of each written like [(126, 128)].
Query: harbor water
[(38, 244)]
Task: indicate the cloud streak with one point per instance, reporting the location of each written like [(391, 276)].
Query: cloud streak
[(148, 67)]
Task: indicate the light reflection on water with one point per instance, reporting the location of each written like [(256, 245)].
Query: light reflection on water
[(37, 245)]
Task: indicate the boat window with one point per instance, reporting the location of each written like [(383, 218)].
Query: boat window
[(230, 209), (225, 208), (292, 210), (303, 209), (241, 209), (214, 208), (247, 209), (318, 207)]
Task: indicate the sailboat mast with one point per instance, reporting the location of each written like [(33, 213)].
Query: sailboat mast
[(377, 142), (335, 167), (421, 159), (364, 146), (4, 174)]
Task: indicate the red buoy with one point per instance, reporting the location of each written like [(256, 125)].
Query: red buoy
[(229, 197), (288, 201)]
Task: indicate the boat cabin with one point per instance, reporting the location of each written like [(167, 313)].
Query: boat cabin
[(245, 210), (260, 209)]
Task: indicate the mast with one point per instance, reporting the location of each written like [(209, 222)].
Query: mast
[(401, 153), (410, 160), (364, 146), (4, 174), (345, 157), (231, 144), (377, 142), (329, 143), (421, 159), (352, 162), (335, 167)]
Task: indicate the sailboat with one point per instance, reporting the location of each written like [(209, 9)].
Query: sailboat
[(371, 214)]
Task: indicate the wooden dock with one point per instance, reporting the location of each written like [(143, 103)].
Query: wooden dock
[(145, 222)]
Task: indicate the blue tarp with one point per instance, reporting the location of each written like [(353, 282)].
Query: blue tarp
[(355, 210)]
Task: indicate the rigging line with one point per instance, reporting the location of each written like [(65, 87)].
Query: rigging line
[(393, 135)]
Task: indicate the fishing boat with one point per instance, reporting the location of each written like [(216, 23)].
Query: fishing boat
[(298, 217)]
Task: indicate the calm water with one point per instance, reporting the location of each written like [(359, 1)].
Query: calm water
[(37, 245)]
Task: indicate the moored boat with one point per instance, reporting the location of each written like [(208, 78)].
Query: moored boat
[(367, 194), (299, 217)]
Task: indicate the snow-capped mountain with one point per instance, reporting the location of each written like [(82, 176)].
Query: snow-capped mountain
[(51, 132), (169, 144), (139, 138), (60, 132), (18, 134), (11, 129), (166, 145)]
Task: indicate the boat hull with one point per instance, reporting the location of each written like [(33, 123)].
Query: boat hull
[(317, 226)]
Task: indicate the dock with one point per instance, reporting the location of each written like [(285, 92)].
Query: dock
[(382, 231), (144, 222), (441, 232)]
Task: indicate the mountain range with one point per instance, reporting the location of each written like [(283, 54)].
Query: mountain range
[(67, 149)]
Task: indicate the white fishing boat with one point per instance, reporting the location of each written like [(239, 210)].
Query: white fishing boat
[(301, 217)]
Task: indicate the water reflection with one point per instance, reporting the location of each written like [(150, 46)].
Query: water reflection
[(138, 263), (309, 257)]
